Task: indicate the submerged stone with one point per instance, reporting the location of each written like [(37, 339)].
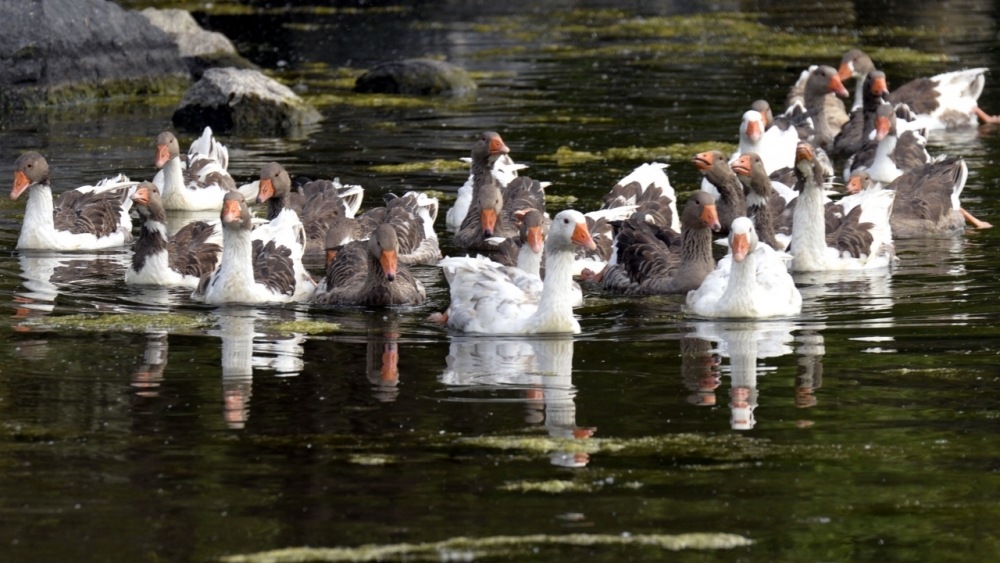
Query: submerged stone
[(58, 51), (242, 100), (200, 48), (416, 77)]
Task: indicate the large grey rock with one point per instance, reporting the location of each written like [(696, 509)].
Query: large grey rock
[(416, 77), (200, 48), (55, 51), (240, 100)]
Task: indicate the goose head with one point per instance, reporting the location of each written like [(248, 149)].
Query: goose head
[(749, 168), (876, 84), (235, 213), (855, 63), (532, 229), (167, 148), (753, 125), (274, 182), (823, 80), (339, 233), (29, 169), (383, 245), (714, 165), (742, 238), (568, 229), (764, 109), (700, 213), (860, 180), (490, 206), (488, 148), (147, 201), (885, 121)]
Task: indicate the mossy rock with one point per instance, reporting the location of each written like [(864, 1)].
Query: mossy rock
[(416, 77)]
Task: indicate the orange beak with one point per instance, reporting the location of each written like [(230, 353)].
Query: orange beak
[(881, 128), (162, 155), (711, 218), (231, 212), (844, 72), (754, 131), (741, 246), (388, 261), (141, 196), (265, 191), (742, 166), (703, 160), (581, 237), (21, 183), (879, 86), (837, 87), (330, 255), (489, 220), (803, 152), (497, 147), (854, 185), (535, 239)]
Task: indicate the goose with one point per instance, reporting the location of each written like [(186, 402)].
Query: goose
[(197, 181), (855, 132), (87, 218), (945, 101), (259, 266), (777, 145), (731, 200), (815, 94), (762, 201), (368, 273), (889, 153), (494, 211), (503, 169), (411, 215), (317, 202), (863, 238), (179, 260), (499, 306), (656, 261), (750, 282)]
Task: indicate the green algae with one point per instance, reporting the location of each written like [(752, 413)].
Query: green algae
[(554, 486), (552, 199), (436, 165), (367, 100), (124, 322), (441, 196), (582, 119), (495, 546), (303, 327), (372, 459), (170, 88), (565, 156)]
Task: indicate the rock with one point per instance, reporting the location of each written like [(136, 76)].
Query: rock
[(241, 100), (200, 48), (416, 77), (57, 51)]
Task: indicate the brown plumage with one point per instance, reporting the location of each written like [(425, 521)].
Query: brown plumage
[(908, 154), (749, 168), (189, 251), (367, 273), (404, 215), (731, 202), (855, 132)]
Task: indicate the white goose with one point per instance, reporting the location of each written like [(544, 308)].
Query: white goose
[(259, 266), (498, 306), (87, 218), (751, 282), (199, 180)]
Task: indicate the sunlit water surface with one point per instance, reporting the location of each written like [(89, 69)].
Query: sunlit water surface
[(862, 430)]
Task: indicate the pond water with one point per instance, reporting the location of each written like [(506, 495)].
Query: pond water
[(862, 430)]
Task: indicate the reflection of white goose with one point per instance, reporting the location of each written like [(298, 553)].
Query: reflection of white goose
[(744, 343), (147, 377), (43, 273), (541, 369), (809, 376)]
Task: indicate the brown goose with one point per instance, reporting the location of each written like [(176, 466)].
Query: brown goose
[(656, 261), (762, 201), (317, 202), (854, 134), (87, 218), (493, 211), (525, 250), (368, 273), (731, 200), (815, 94), (196, 181), (180, 260), (410, 215)]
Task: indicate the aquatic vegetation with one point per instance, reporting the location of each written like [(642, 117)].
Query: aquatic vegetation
[(554, 486), (441, 196), (303, 327), (472, 548), (366, 100), (124, 322), (436, 165), (371, 459), (565, 156)]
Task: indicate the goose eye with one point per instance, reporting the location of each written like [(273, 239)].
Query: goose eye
[(566, 221)]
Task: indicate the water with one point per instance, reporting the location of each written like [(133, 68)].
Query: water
[(862, 430)]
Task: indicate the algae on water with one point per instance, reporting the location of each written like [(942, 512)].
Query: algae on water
[(436, 165), (124, 322), (565, 156), (303, 327)]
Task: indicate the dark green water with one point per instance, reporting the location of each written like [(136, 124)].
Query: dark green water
[(874, 412)]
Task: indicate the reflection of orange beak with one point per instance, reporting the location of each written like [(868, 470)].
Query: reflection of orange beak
[(753, 131), (837, 87), (803, 152), (741, 246), (581, 237), (844, 72), (742, 166), (21, 183), (881, 128), (879, 86), (711, 218), (390, 359), (141, 196), (497, 147), (162, 155), (488, 217), (231, 212), (535, 239), (330, 255), (703, 160), (854, 185), (388, 261), (265, 191)]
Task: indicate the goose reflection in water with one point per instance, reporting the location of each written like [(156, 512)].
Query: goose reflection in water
[(46, 274), (540, 369), (243, 349), (744, 343), (810, 368), (383, 366), (149, 375), (700, 369)]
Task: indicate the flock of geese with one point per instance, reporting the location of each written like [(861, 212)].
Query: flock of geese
[(771, 200)]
